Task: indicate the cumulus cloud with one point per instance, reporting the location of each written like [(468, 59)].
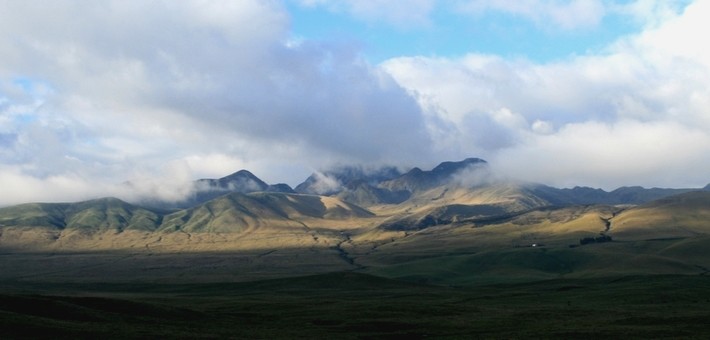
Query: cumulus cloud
[(98, 90), (96, 93), (635, 114)]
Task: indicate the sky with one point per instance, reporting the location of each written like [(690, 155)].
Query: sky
[(593, 93)]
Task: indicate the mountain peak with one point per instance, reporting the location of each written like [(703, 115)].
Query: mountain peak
[(449, 168), (240, 174), (241, 181)]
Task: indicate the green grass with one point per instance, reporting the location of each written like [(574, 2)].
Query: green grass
[(350, 305)]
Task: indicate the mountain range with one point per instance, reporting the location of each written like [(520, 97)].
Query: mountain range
[(370, 219), (389, 185)]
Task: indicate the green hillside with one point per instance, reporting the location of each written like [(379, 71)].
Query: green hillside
[(679, 216), (99, 214), (49, 215)]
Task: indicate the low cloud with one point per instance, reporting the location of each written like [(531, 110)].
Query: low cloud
[(475, 175), (98, 90), (324, 184), (636, 114), (653, 154)]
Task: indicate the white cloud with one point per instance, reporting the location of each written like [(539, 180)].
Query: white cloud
[(637, 114), (325, 184), (662, 153), (650, 13), (136, 85), (542, 127)]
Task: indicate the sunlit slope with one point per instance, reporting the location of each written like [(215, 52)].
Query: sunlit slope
[(680, 216), (541, 244), (239, 212), (232, 213), (261, 222), (534, 244), (99, 214), (549, 226), (235, 221), (454, 203)]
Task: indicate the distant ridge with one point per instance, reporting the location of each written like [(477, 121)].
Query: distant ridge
[(451, 191), (418, 180), (386, 185), (242, 181), (345, 176), (586, 195)]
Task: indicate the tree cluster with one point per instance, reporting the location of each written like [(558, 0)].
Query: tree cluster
[(599, 239)]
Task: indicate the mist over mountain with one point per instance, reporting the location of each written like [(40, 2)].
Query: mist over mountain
[(418, 180), (335, 180), (452, 182), (242, 181), (453, 192)]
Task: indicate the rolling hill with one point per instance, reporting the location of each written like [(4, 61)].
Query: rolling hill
[(666, 236), (679, 216), (100, 214), (110, 224)]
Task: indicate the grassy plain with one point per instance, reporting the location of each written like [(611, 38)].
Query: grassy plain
[(352, 305)]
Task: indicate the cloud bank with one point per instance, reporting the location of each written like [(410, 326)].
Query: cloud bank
[(113, 91), (96, 93), (636, 114)]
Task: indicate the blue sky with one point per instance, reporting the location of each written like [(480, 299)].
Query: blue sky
[(598, 93), (449, 32)]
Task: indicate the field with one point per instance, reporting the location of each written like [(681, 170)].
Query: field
[(225, 295), (352, 305)]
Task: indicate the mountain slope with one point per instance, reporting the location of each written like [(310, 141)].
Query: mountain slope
[(417, 180), (259, 219), (99, 214), (238, 212), (678, 216), (241, 181), (50, 215), (342, 178)]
